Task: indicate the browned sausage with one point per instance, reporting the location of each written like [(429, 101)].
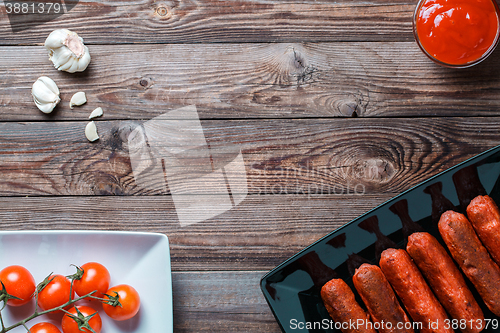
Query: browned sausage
[(472, 257), (484, 216), (342, 306), (445, 280), (413, 291), (380, 300)]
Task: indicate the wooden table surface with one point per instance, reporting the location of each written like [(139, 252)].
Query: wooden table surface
[(332, 104)]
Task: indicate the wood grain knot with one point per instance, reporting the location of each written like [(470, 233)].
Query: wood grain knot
[(287, 65), (374, 170), (145, 82), (117, 140), (349, 107), (164, 10), (365, 164), (261, 98)]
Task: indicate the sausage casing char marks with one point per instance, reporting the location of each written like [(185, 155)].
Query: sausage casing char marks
[(342, 306), (472, 257), (413, 291), (445, 280), (484, 216), (380, 300)]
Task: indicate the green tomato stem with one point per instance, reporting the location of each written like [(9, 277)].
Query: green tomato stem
[(1, 321), (38, 314)]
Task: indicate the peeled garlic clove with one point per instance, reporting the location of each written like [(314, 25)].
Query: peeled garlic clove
[(91, 132), (67, 51), (45, 94), (96, 113), (78, 99)]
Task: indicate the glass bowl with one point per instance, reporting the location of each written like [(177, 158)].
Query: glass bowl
[(449, 64)]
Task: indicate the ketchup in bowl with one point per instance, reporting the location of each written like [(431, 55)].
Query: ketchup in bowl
[(457, 33)]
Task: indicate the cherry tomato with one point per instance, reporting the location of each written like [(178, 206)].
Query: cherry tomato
[(69, 325), (95, 277), (128, 298), (18, 282), (56, 293), (44, 328)]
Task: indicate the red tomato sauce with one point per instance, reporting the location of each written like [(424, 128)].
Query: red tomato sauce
[(457, 32)]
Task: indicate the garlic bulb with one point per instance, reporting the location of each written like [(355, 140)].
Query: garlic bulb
[(67, 51), (45, 94)]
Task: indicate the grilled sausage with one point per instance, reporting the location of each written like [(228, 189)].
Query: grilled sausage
[(445, 280), (380, 300), (343, 308), (413, 291), (484, 216), (472, 257)]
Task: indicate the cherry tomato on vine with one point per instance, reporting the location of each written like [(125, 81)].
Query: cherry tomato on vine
[(89, 277), (55, 293), (44, 328), (128, 298), (18, 282), (69, 324)]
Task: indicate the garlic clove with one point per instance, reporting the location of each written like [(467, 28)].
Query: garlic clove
[(45, 90), (78, 99), (45, 94), (96, 113), (73, 67), (56, 38), (61, 58), (91, 132), (84, 60), (42, 93), (46, 107), (67, 51), (66, 66), (50, 84)]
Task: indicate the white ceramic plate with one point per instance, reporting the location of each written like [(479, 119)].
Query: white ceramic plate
[(141, 260)]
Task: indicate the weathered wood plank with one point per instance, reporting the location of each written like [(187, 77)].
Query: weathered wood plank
[(195, 21), (259, 233), (279, 156), (221, 302), (253, 81)]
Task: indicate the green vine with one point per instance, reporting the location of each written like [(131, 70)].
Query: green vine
[(79, 318)]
